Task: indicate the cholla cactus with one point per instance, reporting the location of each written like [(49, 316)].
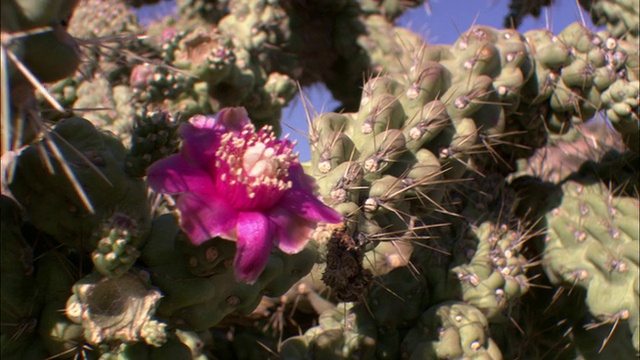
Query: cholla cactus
[(461, 202)]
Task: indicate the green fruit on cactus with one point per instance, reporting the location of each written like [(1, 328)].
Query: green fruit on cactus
[(154, 137), (116, 252)]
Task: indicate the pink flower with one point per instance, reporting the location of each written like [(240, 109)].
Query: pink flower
[(240, 185)]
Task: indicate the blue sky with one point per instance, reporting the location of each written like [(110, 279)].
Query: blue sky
[(447, 19)]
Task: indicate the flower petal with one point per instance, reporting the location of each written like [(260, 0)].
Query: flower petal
[(204, 122), (255, 241), (301, 201), (200, 146), (204, 215), (233, 119), (293, 231), (174, 175)]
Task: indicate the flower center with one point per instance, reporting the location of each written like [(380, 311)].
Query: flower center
[(252, 168), (260, 160)]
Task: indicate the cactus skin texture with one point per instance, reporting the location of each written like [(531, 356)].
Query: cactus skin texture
[(488, 188), (593, 243), (98, 164), (451, 330), (19, 301), (200, 288)]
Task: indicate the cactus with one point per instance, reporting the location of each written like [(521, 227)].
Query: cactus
[(598, 255), (97, 160), (469, 200), (451, 329), (19, 301), (200, 289)]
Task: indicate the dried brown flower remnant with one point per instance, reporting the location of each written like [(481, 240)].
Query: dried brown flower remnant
[(344, 273)]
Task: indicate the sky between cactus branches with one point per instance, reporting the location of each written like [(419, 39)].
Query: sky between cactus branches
[(439, 22)]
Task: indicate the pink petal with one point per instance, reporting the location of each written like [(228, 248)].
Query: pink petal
[(306, 205), (173, 175), (204, 215), (233, 118), (200, 146), (255, 241), (293, 231), (204, 121), (300, 179), (301, 201)]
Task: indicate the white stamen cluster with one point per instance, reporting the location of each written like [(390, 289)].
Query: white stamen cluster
[(256, 161)]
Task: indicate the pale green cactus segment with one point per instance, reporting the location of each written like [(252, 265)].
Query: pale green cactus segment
[(98, 18), (378, 85), (495, 278), (424, 182), (115, 253), (341, 184), (475, 54), (378, 153), (384, 48), (448, 330), (380, 114), (424, 172), (579, 37), (385, 194), (274, 94), (620, 16), (466, 97), (198, 284), (508, 87), (424, 124), (452, 146), (549, 51), (205, 52), (254, 23), (332, 149), (329, 123), (390, 9), (389, 255), (100, 93), (341, 334), (578, 74), (593, 243), (622, 99), (349, 329), (425, 82)]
